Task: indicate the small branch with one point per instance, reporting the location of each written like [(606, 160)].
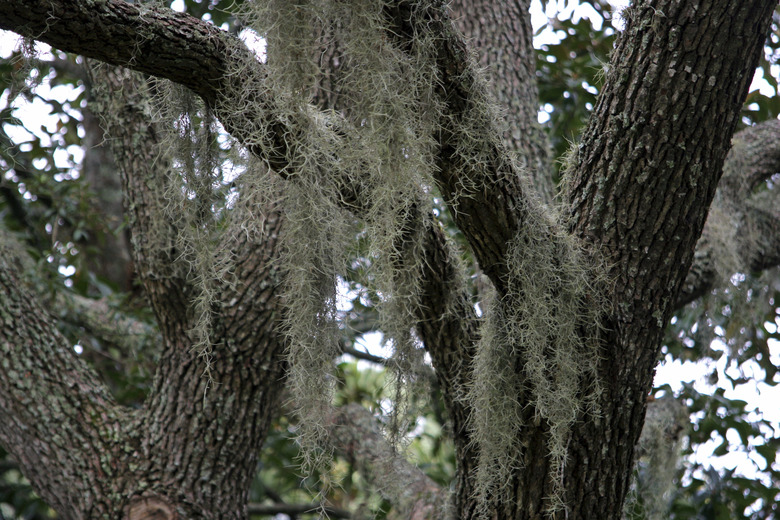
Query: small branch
[(365, 356), (298, 509), (107, 324)]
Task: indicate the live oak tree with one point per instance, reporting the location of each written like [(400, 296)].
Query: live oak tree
[(361, 113)]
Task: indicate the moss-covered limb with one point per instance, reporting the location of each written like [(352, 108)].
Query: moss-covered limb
[(539, 350), (59, 421), (502, 34), (475, 170), (748, 240), (442, 310), (644, 176), (742, 231), (488, 194), (163, 43), (356, 435), (123, 102), (106, 323), (448, 327)]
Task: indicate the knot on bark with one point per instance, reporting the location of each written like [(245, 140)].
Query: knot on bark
[(151, 508)]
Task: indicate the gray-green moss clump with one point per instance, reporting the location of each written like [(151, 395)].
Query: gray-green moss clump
[(368, 169), (364, 169), (537, 356)]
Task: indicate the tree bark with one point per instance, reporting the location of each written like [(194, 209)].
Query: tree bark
[(190, 452), (502, 34), (646, 171)]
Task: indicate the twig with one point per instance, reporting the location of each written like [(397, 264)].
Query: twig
[(297, 509)]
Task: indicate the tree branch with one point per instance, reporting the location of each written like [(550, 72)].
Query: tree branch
[(502, 34), (488, 197), (753, 158), (226, 415), (56, 414), (356, 436), (148, 39), (742, 231), (475, 172), (645, 174), (365, 356), (662, 124), (106, 323)]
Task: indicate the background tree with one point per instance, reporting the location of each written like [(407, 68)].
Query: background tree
[(389, 139)]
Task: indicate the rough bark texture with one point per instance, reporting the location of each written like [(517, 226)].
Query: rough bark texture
[(189, 452), (57, 418), (645, 173), (502, 34)]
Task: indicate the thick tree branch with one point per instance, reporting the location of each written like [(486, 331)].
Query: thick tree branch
[(145, 38), (645, 174), (223, 417), (57, 417), (753, 158), (663, 124), (163, 43), (448, 326), (503, 36), (136, 145)]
